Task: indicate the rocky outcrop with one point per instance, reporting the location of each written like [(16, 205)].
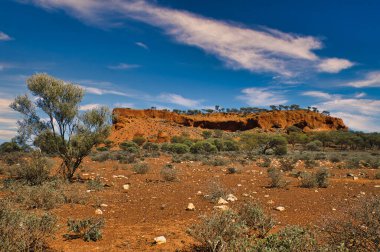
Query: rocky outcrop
[(164, 124)]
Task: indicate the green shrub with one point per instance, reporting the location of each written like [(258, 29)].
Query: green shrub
[(216, 161), (177, 148), (206, 134), (129, 147), (218, 232), (276, 177), (322, 176), (101, 157), (311, 163), (139, 140), (168, 173), (254, 217), (151, 146), (34, 171), (266, 162), (203, 147), (320, 156), (141, 168), (215, 191), (315, 145), (95, 184), (86, 229), (334, 158), (287, 164), (353, 163), (230, 145), (21, 231), (308, 180), (218, 133), (103, 148)]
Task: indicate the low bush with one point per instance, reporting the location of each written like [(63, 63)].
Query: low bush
[(322, 176), (265, 162), (334, 158), (353, 163), (287, 164), (177, 148), (216, 161), (277, 180), (377, 175), (141, 168), (216, 191), (101, 157), (86, 229), (151, 146), (169, 173), (311, 163), (315, 145), (308, 180), (203, 147), (206, 134), (139, 140), (254, 217), (21, 231), (129, 147), (103, 148), (95, 184)]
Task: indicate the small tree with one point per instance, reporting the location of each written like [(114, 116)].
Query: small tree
[(62, 130)]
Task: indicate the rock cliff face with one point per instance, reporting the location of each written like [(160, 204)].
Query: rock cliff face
[(160, 123)]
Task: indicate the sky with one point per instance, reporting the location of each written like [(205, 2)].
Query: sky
[(194, 54)]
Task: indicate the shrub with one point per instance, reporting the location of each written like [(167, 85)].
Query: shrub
[(151, 146), (141, 168), (216, 191), (377, 175), (34, 171), (95, 184), (359, 230), (266, 162), (139, 140), (310, 163), (203, 147), (9, 147), (218, 231), (353, 163), (315, 145), (206, 134), (254, 217), (168, 173), (216, 161), (218, 133), (129, 147), (322, 176), (103, 148), (320, 156), (334, 158), (308, 180), (177, 148), (86, 229), (276, 178), (287, 164), (21, 231), (230, 145), (291, 238), (101, 157)]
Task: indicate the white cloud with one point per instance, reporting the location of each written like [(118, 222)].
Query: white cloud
[(124, 105), (360, 95), (179, 100), (142, 45), (262, 97), (239, 47), (100, 91), (372, 79), (318, 94), (334, 65), (90, 106), (4, 37), (124, 66)]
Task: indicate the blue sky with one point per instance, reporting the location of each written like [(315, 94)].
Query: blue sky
[(196, 54)]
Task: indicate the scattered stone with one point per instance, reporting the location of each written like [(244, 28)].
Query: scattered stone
[(266, 196), (315, 190), (355, 178), (231, 197), (239, 185), (162, 207), (98, 211), (280, 208), (88, 191), (126, 187), (199, 193), (160, 240), (245, 194), (104, 205), (377, 186), (222, 201), (362, 193), (333, 209), (190, 207), (270, 202), (222, 207)]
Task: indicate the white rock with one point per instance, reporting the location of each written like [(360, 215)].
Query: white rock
[(190, 207), (333, 209), (245, 194), (104, 205), (377, 186), (271, 202), (231, 197), (239, 185), (160, 240), (222, 207), (199, 193), (355, 178), (222, 201), (280, 208), (126, 187), (98, 211)]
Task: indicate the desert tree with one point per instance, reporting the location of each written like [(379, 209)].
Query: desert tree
[(53, 122)]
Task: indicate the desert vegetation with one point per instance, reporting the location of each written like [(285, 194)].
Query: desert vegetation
[(69, 184)]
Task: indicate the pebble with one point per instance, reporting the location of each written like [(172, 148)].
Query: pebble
[(270, 202), (377, 186), (104, 205), (160, 240), (222, 207), (280, 208), (126, 187), (199, 193), (98, 211), (190, 207), (231, 197), (222, 201), (355, 178)]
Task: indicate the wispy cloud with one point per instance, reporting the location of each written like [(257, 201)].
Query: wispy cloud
[(371, 79), (142, 45), (262, 97), (4, 37), (6, 135), (100, 91), (124, 105), (319, 94), (334, 65), (8, 120), (90, 106), (239, 47), (124, 66), (179, 100)]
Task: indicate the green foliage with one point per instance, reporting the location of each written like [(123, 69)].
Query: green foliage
[(206, 134), (169, 173), (139, 140), (287, 164), (254, 217), (277, 180), (86, 229), (100, 157), (151, 146), (217, 161), (103, 148), (314, 145), (141, 168), (129, 146), (177, 148), (203, 147), (33, 171), (9, 147), (21, 231), (66, 132), (95, 184), (322, 176), (308, 180)]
